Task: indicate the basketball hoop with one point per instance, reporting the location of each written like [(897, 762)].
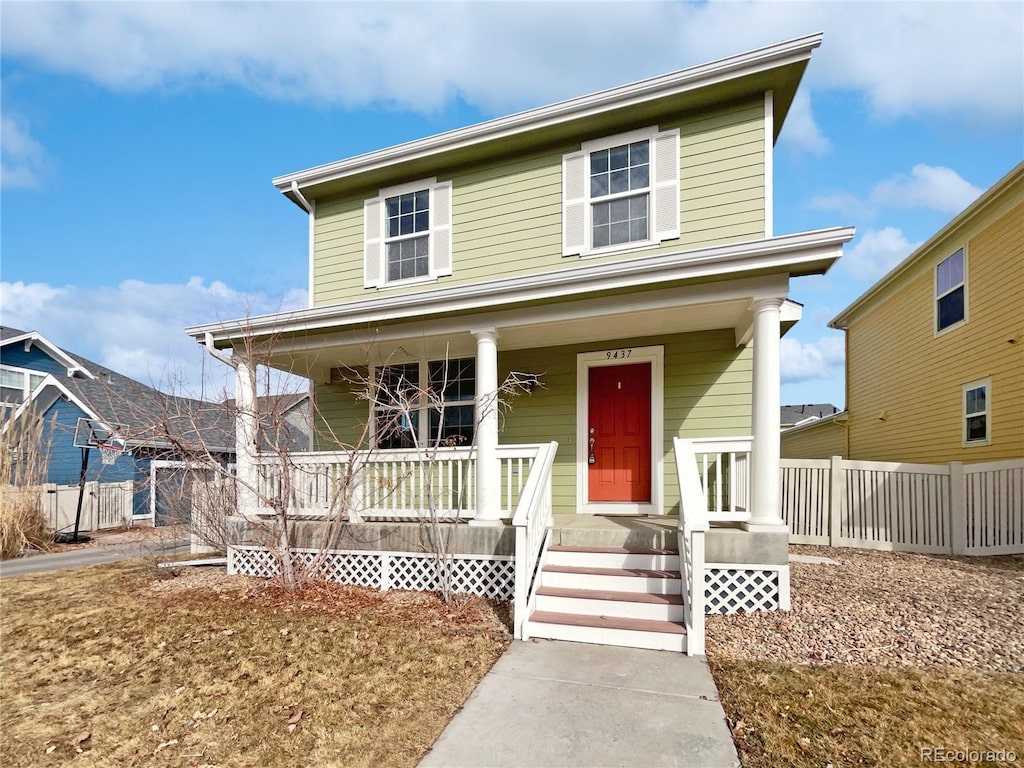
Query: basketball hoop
[(109, 453)]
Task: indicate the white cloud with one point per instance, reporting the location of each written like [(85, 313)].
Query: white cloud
[(927, 186), (876, 251), (801, 131), (844, 203), (906, 58), (137, 328), (23, 161), (819, 359)]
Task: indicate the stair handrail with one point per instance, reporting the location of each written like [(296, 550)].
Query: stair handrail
[(532, 522), (693, 525)]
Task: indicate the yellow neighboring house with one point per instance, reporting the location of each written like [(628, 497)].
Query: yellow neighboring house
[(935, 349)]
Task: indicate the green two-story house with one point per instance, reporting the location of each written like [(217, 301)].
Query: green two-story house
[(611, 261)]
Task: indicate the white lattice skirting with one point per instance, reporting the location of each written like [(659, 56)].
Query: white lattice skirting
[(489, 576), (742, 589)]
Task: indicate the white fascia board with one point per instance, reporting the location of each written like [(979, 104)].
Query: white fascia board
[(779, 254), (36, 339), (840, 321), (681, 81), (839, 417), (48, 386)]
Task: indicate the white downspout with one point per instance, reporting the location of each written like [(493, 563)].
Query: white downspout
[(310, 209)]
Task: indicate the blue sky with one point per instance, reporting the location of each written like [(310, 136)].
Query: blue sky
[(139, 140)]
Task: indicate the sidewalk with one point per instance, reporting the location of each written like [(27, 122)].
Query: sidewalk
[(107, 553), (549, 704)]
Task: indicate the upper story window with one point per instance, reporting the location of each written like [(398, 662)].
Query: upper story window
[(425, 404), (976, 412), (16, 384), (407, 234), (950, 303), (621, 192)]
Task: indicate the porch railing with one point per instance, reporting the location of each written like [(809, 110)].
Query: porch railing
[(723, 465), (388, 484), (693, 525), (532, 522)]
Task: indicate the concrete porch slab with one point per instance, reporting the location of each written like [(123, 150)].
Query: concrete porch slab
[(553, 704)]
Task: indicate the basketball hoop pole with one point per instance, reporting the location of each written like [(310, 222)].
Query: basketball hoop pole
[(81, 491)]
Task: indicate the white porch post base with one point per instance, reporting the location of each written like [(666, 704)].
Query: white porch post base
[(488, 470), (765, 454)]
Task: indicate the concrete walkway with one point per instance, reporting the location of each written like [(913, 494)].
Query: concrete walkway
[(76, 558), (551, 704)]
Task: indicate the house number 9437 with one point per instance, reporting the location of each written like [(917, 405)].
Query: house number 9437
[(619, 354)]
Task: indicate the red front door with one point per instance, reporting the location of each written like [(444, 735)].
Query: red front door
[(619, 433)]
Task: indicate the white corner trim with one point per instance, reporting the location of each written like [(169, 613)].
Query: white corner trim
[(769, 163), (655, 355)]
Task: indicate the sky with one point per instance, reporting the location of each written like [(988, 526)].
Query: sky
[(139, 140)]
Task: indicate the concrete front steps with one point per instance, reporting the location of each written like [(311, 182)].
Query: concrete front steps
[(611, 596)]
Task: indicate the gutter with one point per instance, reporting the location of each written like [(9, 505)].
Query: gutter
[(684, 80), (779, 253)]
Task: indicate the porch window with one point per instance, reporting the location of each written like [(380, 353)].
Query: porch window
[(950, 304), (429, 403), (407, 234), (976, 412), (621, 192)]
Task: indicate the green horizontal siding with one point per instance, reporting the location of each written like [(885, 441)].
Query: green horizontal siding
[(707, 394), (507, 215)]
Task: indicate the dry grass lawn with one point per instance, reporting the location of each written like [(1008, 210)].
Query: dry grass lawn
[(105, 667), (838, 715)]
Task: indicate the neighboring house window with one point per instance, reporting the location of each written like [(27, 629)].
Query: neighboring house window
[(16, 384), (950, 307), (977, 405), (425, 404), (408, 234), (621, 192)]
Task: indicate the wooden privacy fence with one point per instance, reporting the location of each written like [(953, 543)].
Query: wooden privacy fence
[(104, 505), (960, 509)]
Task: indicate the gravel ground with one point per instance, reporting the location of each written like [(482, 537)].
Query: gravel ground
[(888, 609)]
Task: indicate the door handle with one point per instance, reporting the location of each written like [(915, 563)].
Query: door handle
[(592, 459)]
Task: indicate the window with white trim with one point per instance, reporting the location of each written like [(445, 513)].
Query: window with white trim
[(426, 403), (950, 287), (407, 234), (16, 384), (976, 409), (621, 192)]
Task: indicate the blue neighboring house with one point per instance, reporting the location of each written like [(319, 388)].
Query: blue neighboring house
[(64, 387)]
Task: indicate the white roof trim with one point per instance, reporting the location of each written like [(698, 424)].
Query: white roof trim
[(58, 354), (53, 382), (681, 81), (840, 321), (779, 254), (839, 417)]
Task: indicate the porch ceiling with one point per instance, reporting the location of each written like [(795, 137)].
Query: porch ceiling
[(601, 320)]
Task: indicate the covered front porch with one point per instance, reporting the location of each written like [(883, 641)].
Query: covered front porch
[(652, 391)]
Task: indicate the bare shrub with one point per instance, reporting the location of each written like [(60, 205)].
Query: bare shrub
[(22, 472)]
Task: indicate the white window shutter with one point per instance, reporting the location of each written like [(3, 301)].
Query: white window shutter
[(574, 203), (665, 188), (441, 230), (372, 243)]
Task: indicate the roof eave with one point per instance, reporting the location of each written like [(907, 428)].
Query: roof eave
[(840, 321), (804, 253), (689, 79)]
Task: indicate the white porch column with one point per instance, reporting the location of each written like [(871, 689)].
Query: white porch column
[(764, 460), (488, 470), (246, 435)]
